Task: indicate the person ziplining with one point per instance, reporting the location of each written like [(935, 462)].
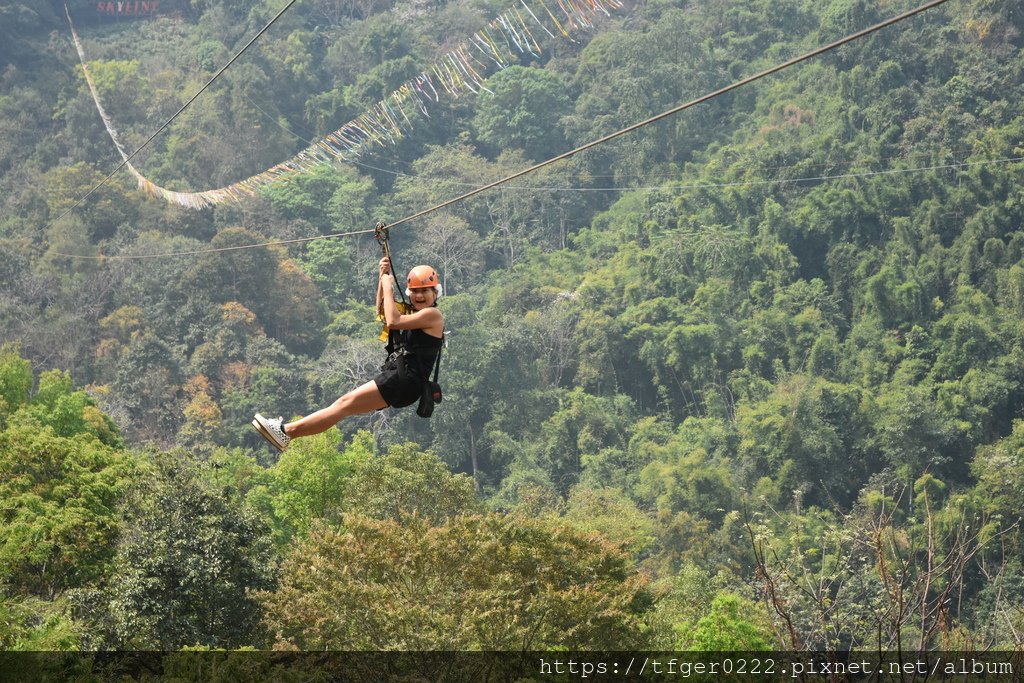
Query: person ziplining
[(415, 335)]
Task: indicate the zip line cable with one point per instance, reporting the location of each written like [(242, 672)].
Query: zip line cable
[(779, 181), (159, 130), (648, 176), (654, 188), (297, 240), (675, 110), (737, 183), (565, 155), (695, 186)]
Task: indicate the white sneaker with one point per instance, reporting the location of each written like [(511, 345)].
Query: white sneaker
[(272, 430)]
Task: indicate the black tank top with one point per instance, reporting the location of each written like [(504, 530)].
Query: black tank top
[(424, 347)]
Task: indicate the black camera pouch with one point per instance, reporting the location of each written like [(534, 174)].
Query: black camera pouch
[(426, 405), (431, 391)]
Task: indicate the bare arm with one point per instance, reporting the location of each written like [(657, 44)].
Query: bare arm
[(383, 267)]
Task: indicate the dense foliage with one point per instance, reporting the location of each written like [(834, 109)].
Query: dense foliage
[(749, 377)]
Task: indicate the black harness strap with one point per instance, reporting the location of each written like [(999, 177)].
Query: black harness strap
[(437, 360)]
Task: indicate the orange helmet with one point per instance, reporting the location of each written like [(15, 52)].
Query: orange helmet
[(423, 277)]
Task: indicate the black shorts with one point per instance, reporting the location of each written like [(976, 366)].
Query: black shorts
[(398, 392)]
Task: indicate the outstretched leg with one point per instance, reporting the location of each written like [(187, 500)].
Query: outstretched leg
[(364, 399)]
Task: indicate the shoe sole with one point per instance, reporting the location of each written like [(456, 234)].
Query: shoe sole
[(266, 435)]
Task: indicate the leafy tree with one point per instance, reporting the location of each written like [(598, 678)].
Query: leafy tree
[(612, 514), (243, 275), (523, 112), (328, 263), (293, 312), (378, 39), (226, 341), (379, 81), (811, 437), (274, 288), (406, 481), (997, 468), (148, 380), (332, 198), (34, 625), (18, 20), (441, 173), (456, 251), (15, 380), (689, 479), (123, 90), (67, 412), (63, 474), (492, 582), (203, 417), (60, 522), (913, 433), (309, 484), (733, 624), (187, 559), (109, 206), (969, 334)]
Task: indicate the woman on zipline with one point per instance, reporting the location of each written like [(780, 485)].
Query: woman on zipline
[(414, 341)]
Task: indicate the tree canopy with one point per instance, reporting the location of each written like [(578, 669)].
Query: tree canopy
[(748, 377)]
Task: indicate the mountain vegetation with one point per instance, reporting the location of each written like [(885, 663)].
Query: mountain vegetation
[(750, 377)]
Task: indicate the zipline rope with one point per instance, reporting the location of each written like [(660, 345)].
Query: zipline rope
[(297, 240), (654, 188), (675, 110), (639, 188), (776, 181), (704, 98), (734, 183)]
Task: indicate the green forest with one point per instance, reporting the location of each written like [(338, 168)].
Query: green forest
[(748, 378)]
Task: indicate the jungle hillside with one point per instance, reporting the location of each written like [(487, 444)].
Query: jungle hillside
[(748, 378)]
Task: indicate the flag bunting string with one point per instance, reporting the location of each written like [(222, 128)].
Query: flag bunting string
[(464, 69)]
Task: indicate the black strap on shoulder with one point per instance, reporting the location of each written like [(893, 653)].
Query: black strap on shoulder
[(437, 359)]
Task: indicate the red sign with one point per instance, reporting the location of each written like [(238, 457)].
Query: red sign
[(128, 7)]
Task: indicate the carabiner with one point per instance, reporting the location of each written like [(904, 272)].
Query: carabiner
[(380, 232)]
